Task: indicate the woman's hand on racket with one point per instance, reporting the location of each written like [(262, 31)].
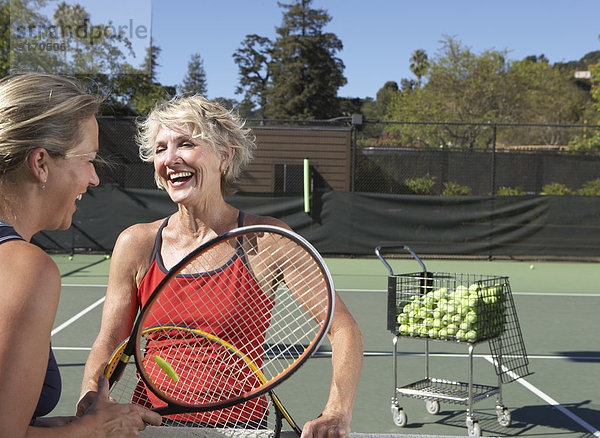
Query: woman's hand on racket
[(85, 402), (327, 426), (116, 419)]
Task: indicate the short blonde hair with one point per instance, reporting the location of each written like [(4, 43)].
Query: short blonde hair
[(40, 110), (209, 121)]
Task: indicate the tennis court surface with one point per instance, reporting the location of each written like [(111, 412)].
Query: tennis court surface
[(557, 305)]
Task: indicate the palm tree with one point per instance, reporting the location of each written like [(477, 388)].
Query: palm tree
[(419, 64), (68, 17)]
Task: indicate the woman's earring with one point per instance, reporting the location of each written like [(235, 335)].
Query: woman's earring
[(43, 186)]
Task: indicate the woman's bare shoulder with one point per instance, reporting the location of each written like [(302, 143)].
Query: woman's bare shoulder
[(29, 274), (140, 235), (18, 256), (133, 251)]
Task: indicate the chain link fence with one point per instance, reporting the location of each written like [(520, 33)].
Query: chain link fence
[(422, 158), (479, 159)]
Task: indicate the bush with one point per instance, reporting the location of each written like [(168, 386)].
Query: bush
[(510, 191), (421, 185), (556, 189), (590, 188), (587, 145), (454, 189)]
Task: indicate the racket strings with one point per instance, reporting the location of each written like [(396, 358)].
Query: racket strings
[(262, 263), (246, 416), (236, 317), (210, 363)]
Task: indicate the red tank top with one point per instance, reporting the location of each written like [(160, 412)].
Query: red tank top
[(239, 287)]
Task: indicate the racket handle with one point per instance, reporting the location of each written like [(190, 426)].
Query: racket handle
[(285, 414), (117, 371), (176, 409)]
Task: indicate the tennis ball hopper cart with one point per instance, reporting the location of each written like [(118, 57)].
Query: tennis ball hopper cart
[(467, 309)]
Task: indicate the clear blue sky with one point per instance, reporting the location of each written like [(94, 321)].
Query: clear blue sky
[(378, 35)]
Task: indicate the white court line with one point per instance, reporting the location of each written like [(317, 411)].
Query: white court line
[(537, 294), (549, 400), (463, 355), (84, 285), (76, 317)]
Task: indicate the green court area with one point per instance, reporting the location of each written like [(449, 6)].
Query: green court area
[(557, 305)]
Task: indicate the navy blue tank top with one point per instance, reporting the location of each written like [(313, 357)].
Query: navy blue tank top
[(52, 383)]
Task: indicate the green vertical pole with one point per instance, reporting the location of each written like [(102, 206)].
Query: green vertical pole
[(306, 186)]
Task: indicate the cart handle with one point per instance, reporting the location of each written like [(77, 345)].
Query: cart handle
[(407, 248)]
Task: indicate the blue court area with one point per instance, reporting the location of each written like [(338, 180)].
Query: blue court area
[(557, 305)]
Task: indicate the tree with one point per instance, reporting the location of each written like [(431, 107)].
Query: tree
[(88, 48), (26, 29), (463, 86), (595, 89), (194, 81), (298, 75), (589, 141), (151, 61), (132, 90), (306, 74), (537, 58), (584, 63), (408, 84), (544, 93), (385, 96), (229, 104), (69, 17), (141, 87), (92, 53), (147, 95), (4, 37), (419, 64), (253, 59), (379, 107), (67, 43)]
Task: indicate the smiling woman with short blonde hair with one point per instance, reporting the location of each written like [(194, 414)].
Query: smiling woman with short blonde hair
[(207, 121), (198, 150)]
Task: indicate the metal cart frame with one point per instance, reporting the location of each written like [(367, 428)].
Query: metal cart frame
[(401, 288)]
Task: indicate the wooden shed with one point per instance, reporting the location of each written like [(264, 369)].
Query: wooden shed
[(278, 161), (277, 166)]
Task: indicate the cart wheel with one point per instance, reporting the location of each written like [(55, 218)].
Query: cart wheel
[(474, 428), (432, 406), (504, 418), (399, 416)]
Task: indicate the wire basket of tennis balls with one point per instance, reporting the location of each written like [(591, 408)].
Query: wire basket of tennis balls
[(470, 312)]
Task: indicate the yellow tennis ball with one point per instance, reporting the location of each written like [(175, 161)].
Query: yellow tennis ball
[(531, 267)]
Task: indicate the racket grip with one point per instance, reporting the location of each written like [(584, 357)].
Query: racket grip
[(117, 371), (284, 412), (176, 409)]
